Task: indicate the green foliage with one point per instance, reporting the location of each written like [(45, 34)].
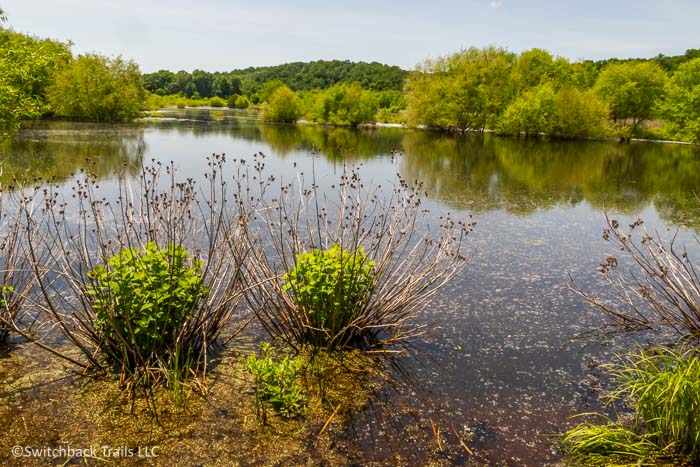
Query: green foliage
[(681, 105), (276, 384), (579, 113), (342, 104), (533, 112), (467, 89), (236, 101), (142, 298), (156, 102), (94, 87), (283, 105), (330, 286), (217, 102), (594, 444), (631, 90), (298, 76), (663, 388), (27, 68), (533, 68)]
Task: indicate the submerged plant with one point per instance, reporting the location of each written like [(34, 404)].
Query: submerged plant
[(330, 287), (663, 388), (352, 268), (276, 384)]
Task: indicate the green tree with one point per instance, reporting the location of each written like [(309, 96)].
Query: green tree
[(681, 105), (426, 91), (535, 111), (631, 90), (532, 68), (579, 113), (97, 88), (342, 104), (467, 89), (283, 105), (27, 67)]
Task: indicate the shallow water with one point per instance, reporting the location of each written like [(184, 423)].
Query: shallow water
[(502, 362)]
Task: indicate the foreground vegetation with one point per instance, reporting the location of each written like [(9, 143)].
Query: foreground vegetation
[(661, 386)]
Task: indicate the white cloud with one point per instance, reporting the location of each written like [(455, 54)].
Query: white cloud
[(495, 4)]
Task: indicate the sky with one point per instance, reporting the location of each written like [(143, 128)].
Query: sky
[(221, 35)]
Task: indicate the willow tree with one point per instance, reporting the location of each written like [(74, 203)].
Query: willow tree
[(681, 105), (27, 67), (467, 89), (98, 88), (631, 90)]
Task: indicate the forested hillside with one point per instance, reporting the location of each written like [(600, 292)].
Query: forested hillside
[(298, 76)]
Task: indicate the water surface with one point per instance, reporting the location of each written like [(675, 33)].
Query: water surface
[(502, 362)]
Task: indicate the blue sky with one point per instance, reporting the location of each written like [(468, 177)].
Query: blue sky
[(226, 34)]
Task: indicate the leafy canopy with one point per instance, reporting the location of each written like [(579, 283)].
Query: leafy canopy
[(97, 88)]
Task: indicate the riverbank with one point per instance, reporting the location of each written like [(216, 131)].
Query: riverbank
[(157, 115)]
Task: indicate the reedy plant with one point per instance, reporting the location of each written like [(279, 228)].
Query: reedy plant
[(662, 386), (68, 239), (16, 279), (663, 290), (408, 266)]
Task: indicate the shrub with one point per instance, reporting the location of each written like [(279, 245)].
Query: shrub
[(276, 384), (663, 388), (142, 298), (119, 301), (16, 282), (662, 293), (330, 287), (282, 106), (242, 103), (236, 101), (217, 102), (94, 87), (345, 263)]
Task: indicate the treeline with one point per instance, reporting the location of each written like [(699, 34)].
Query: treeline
[(534, 93), (342, 104), (40, 77), (299, 76)]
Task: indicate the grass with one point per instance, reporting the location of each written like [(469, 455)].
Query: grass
[(662, 387)]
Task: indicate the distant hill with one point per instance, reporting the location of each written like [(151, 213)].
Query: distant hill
[(300, 76)]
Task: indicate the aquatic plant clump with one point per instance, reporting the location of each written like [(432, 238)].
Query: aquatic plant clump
[(349, 269), (663, 388), (330, 287), (144, 281), (663, 291), (144, 296)]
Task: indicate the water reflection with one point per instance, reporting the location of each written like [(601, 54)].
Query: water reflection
[(57, 150), (522, 176)]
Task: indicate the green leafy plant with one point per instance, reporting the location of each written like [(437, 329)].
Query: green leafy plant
[(330, 286), (217, 102), (276, 384), (142, 297), (663, 388)]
